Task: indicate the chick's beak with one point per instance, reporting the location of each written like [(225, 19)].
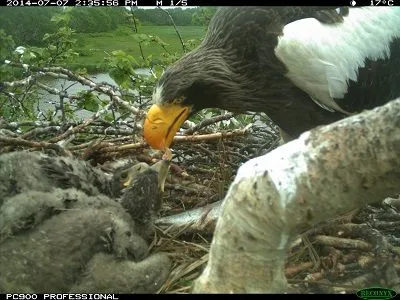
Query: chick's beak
[(133, 172), (162, 122)]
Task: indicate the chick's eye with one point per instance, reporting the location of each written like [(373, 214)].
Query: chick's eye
[(123, 175)]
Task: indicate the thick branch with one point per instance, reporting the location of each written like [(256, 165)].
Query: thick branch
[(324, 173)]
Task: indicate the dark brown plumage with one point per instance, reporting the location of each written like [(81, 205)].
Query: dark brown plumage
[(301, 76)]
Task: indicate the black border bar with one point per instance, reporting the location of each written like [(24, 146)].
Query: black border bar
[(191, 3)]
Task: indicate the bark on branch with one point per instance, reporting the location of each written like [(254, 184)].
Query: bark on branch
[(324, 173)]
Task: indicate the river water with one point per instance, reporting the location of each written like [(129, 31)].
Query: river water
[(48, 101)]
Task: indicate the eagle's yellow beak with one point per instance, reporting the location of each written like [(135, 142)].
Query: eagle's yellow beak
[(162, 122)]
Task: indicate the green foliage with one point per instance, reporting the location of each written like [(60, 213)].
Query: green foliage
[(7, 45), (89, 101), (203, 15), (57, 50), (111, 38), (121, 68), (27, 25), (59, 46), (6, 51), (56, 46), (97, 19), (10, 106), (160, 45), (123, 31), (181, 17), (62, 18)]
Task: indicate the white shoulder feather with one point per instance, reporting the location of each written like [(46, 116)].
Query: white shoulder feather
[(322, 58)]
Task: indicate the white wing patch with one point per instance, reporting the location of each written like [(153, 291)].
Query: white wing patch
[(322, 58)]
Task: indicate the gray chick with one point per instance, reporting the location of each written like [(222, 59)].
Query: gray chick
[(62, 232)]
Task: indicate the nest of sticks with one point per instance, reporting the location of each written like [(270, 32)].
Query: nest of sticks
[(340, 256)]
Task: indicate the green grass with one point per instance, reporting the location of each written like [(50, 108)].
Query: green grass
[(94, 47)]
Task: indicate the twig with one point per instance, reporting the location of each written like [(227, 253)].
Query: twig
[(34, 133), (58, 72), (176, 29), (291, 271), (207, 122), (32, 144), (77, 128), (108, 90)]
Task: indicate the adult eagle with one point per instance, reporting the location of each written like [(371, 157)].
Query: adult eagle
[(302, 66)]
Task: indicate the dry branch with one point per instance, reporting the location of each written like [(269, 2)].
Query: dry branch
[(208, 122), (211, 136), (58, 72), (342, 243), (21, 142), (324, 173)]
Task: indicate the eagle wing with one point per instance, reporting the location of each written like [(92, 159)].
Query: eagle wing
[(322, 58)]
